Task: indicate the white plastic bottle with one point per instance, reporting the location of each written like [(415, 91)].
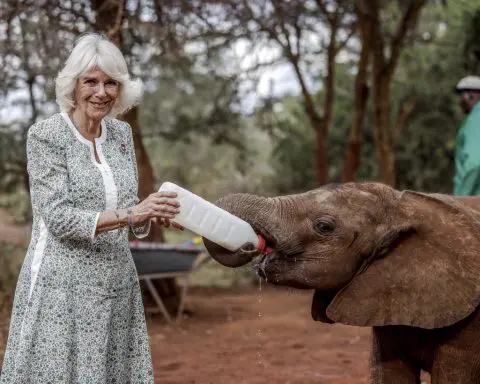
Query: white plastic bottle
[(212, 222)]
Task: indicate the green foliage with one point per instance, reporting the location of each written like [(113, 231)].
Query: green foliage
[(214, 275), (212, 170), (292, 156), (187, 103), (294, 139), (428, 71), (472, 45)]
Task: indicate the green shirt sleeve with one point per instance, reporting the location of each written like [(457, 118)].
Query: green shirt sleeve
[(470, 184), (468, 165)]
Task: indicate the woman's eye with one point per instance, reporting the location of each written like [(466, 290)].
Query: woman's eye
[(111, 84), (90, 82), (324, 227)]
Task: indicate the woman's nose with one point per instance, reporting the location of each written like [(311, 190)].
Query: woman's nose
[(100, 90)]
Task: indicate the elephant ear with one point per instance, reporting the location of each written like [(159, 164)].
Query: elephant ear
[(425, 270)]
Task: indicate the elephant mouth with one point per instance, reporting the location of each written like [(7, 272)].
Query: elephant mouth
[(280, 269), (270, 241), (277, 259)]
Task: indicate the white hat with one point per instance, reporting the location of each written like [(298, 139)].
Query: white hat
[(469, 83)]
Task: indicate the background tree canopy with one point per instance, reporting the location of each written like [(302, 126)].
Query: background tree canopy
[(356, 89), (203, 122)]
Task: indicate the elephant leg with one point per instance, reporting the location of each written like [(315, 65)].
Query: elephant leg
[(455, 365), (388, 363), (457, 358)]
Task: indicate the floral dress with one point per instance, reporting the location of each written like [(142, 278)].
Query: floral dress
[(78, 314)]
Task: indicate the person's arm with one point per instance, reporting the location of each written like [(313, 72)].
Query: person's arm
[(51, 200), (159, 207), (48, 175), (142, 229), (469, 184)]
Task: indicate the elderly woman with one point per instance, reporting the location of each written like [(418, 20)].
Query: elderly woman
[(78, 315)]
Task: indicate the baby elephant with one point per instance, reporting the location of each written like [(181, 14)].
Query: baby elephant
[(405, 263)]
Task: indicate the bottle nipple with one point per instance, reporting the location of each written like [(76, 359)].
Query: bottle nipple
[(262, 245)]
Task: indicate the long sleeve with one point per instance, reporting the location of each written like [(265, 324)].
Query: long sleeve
[(141, 231), (467, 178), (49, 188), (470, 183)]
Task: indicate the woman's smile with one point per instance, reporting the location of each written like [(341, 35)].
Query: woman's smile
[(100, 105)]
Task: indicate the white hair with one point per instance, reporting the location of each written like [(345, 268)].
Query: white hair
[(91, 51)]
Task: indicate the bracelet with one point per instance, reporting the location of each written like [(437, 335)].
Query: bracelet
[(119, 224), (129, 219)]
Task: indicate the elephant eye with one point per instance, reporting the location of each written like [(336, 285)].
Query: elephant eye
[(324, 226)]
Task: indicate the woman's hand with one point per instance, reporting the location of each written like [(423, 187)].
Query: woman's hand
[(159, 206), (167, 223)]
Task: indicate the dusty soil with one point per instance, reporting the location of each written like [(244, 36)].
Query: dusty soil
[(10, 232), (242, 336), (246, 336)]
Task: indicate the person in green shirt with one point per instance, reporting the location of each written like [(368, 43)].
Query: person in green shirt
[(466, 181)]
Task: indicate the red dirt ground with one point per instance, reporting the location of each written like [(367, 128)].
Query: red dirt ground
[(244, 336)]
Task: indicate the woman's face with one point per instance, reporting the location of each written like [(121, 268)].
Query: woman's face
[(95, 94)]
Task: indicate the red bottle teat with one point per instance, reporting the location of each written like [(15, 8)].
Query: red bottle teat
[(262, 246)]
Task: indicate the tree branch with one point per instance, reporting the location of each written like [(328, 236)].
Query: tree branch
[(322, 7), (344, 42), (409, 21), (114, 32), (403, 115)]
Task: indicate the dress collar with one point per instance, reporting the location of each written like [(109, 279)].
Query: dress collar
[(79, 136)]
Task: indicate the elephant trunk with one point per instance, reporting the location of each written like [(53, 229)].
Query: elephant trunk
[(253, 209)]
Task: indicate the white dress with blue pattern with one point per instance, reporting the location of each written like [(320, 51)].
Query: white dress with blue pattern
[(78, 315)]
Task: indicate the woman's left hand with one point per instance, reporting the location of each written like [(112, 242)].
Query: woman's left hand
[(163, 222)]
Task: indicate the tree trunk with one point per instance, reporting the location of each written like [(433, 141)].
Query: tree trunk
[(319, 125), (145, 171), (321, 155), (384, 67), (109, 20), (355, 143), (385, 150)]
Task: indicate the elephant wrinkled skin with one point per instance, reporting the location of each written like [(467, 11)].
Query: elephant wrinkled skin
[(405, 263)]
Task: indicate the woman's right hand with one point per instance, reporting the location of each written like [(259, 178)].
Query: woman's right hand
[(159, 205)]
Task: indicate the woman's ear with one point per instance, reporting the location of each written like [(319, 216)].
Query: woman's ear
[(423, 274)]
